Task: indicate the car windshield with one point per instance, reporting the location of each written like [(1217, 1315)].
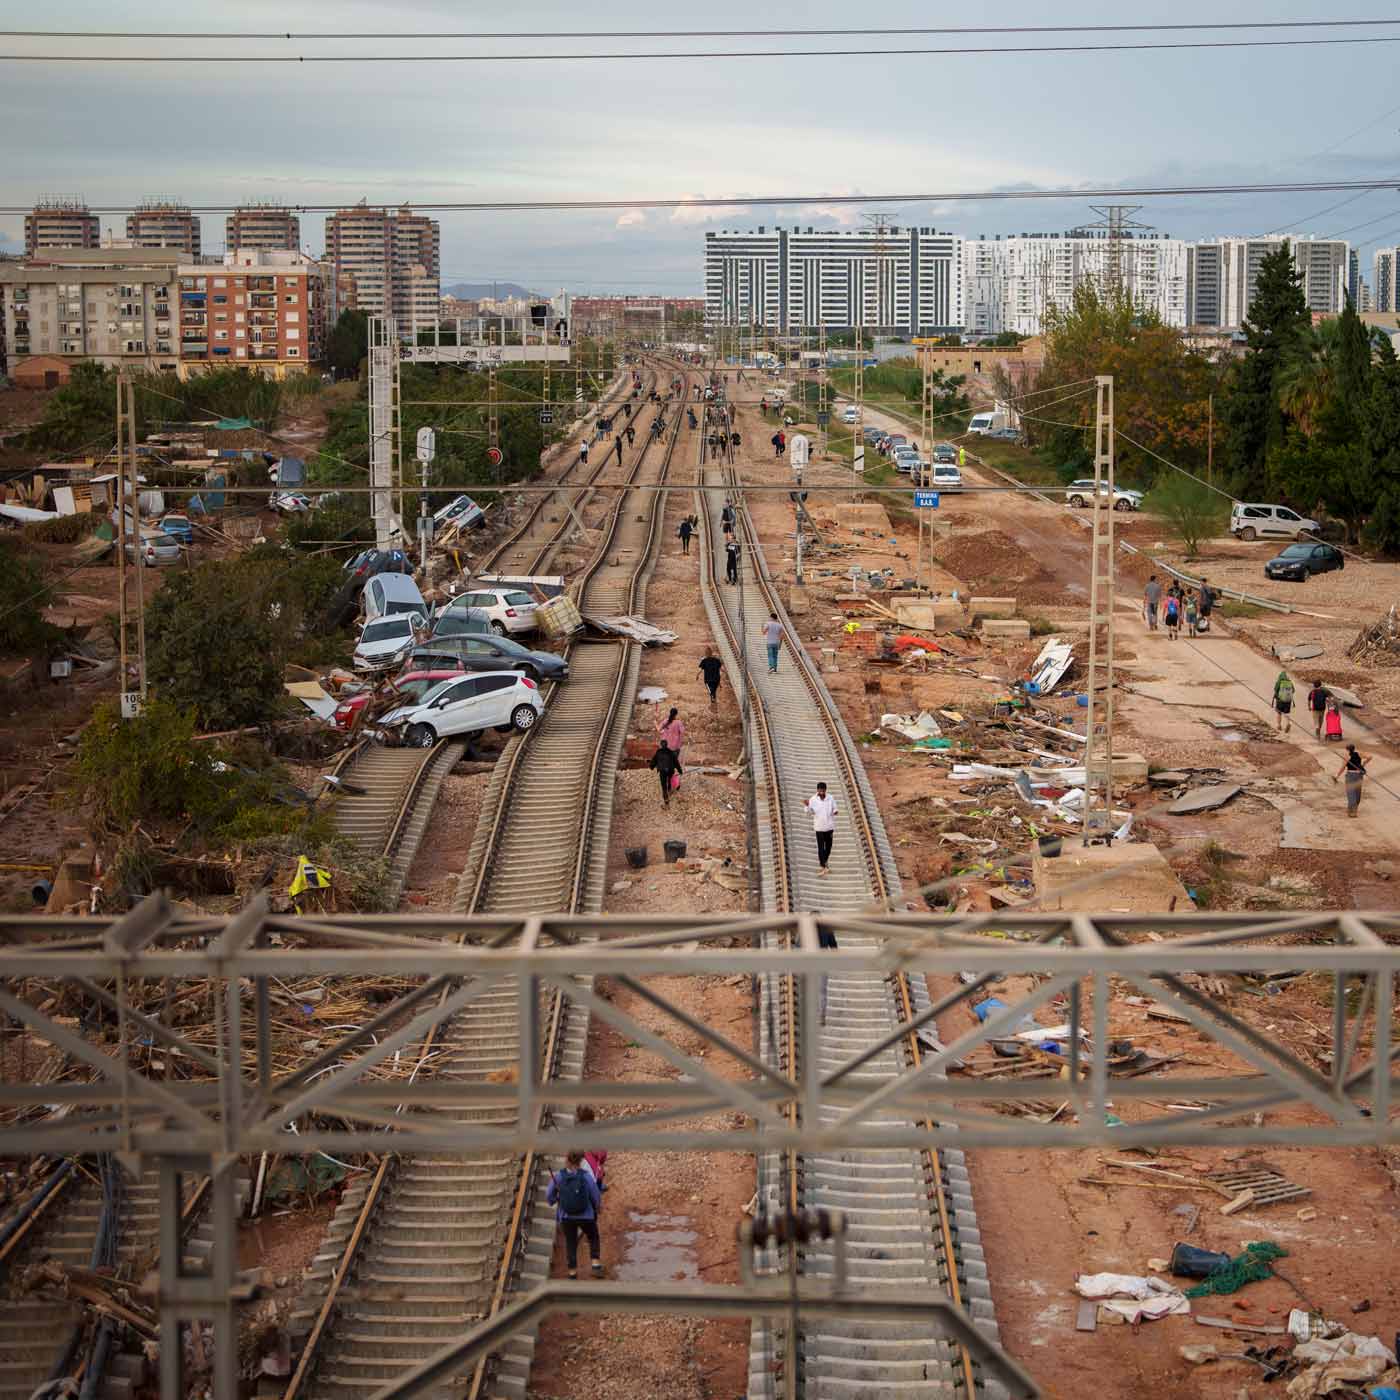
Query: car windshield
[(1297, 551), (437, 689), (520, 600), (387, 630), (416, 690)]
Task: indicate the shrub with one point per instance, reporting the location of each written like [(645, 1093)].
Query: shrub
[(65, 529)]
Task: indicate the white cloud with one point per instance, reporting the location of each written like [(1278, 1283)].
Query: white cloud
[(632, 218), (706, 214)]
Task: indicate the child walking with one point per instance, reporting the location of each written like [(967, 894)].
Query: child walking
[(1172, 617)]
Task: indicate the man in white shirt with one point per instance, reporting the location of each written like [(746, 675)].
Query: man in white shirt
[(823, 810)]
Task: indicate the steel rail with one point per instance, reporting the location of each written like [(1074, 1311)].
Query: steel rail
[(519, 775), (900, 984)]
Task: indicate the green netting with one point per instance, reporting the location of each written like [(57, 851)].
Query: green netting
[(1248, 1267)]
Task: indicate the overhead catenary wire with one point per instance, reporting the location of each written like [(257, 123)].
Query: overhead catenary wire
[(707, 55), (697, 33), (743, 201)]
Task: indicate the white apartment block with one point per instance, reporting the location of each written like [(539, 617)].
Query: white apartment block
[(1223, 274), (390, 255), (1010, 283), (902, 280)]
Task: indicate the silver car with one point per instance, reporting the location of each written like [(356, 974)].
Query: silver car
[(156, 548)]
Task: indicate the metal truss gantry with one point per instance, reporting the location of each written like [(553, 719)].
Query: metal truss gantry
[(337, 1100)]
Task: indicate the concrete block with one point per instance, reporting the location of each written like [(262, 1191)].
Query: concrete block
[(1006, 629), (992, 607), (829, 659), (930, 613), (799, 602), (1128, 877)]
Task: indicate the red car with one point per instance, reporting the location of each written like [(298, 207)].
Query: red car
[(407, 690)]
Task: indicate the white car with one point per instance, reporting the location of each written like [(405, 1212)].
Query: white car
[(385, 641), (509, 610), (1080, 493), (850, 414), (466, 705), (946, 478), (290, 502), (461, 511), (1252, 519)]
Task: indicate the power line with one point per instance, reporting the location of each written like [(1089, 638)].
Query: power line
[(768, 200), (702, 33), (982, 50)]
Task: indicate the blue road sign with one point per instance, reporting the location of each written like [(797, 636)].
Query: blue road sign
[(926, 500)]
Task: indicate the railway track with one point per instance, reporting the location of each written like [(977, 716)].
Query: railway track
[(910, 1218), (433, 1243)]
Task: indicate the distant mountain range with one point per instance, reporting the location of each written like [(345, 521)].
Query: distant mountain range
[(474, 291)]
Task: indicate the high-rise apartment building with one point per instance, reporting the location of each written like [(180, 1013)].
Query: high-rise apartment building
[(261, 308), (395, 259), (164, 223), (59, 221), (900, 280), (1010, 283), (1383, 271), (269, 226), (1223, 273)]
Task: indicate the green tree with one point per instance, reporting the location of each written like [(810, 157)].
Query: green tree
[(218, 636), (1250, 412), (23, 630), (347, 345), (1195, 512)]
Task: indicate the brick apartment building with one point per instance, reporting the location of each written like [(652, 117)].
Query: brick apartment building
[(262, 226), (60, 222)]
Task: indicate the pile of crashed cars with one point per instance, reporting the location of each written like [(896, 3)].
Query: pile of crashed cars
[(422, 672)]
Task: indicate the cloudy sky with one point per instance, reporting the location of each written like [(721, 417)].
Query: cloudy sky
[(559, 128)]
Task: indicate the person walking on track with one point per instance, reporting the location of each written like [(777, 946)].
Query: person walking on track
[(726, 516), (672, 730), (595, 1162), (685, 531), (668, 769), (576, 1199), (823, 810), (583, 452), (731, 560), (631, 434), (1283, 699), (773, 639), (618, 445), (710, 668), (1354, 767), (1317, 706)]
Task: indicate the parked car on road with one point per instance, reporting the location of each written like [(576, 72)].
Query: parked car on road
[(385, 641), (945, 452), (1299, 562), (1252, 520), (466, 705), (874, 436), (850, 414), (509, 610), (411, 687), (1080, 493), (946, 478), (1004, 434)]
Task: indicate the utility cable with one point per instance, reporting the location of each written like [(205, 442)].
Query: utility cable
[(701, 54)]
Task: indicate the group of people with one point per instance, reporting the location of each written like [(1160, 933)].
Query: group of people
[(1176, 606), (670, 732), (1327, 727), (576, 1193)]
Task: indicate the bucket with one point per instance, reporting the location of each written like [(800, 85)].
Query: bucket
[(1049, 846), (636, 856), (1190, 1262), (675, 850)]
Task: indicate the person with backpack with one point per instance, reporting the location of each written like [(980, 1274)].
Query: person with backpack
[(1191, 617), (1354, 767), (1283, 699), (726, 516), (576, 1199), (777, 441), (594, 1162), (1317, 706), (1171, 616), (668, 769), (685, 531)]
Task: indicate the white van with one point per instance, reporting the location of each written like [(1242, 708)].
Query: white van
[(1251, 520), (387, 595), (850, 414)]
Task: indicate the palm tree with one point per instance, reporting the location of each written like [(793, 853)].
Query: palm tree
[(1307, 374)]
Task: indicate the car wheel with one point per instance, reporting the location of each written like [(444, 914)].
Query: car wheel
[(420, 736), (523, 717), (499, 628), (1123, 505), (1077, 502), (1304, 574), (1248, 533)]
